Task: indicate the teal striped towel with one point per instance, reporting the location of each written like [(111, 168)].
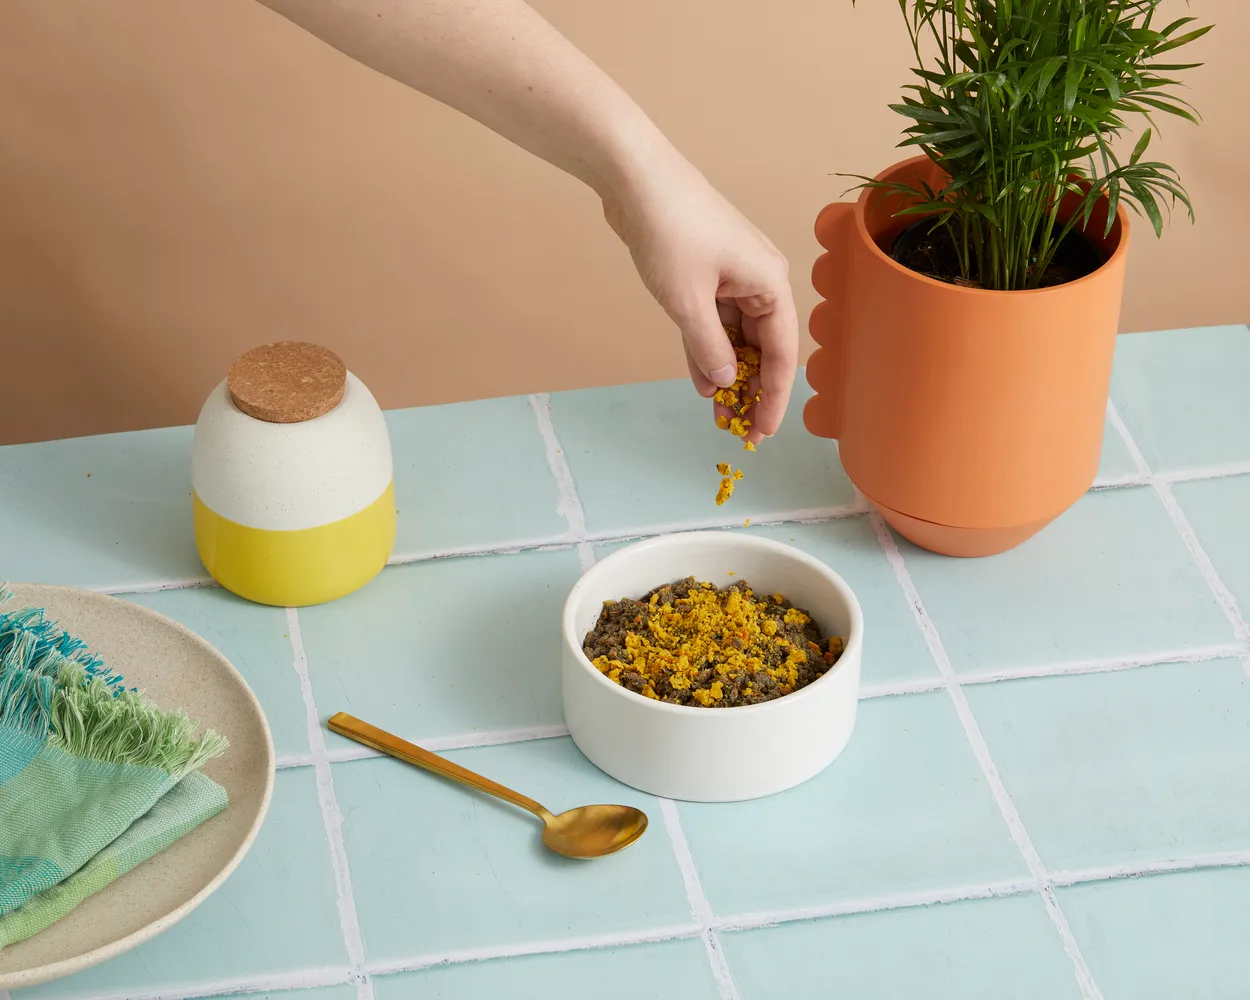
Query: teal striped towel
[(94, 779)]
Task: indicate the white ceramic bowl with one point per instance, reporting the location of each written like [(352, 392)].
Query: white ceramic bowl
[(712, 754)]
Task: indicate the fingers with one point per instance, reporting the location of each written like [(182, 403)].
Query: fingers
[(775, 328), (707, 345), (702, 384)]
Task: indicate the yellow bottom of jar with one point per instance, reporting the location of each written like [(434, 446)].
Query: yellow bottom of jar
[(297, 568)]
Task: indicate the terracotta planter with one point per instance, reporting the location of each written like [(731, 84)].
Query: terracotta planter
[(970, 419)]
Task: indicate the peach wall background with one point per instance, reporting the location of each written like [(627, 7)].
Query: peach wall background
[(183, 179)]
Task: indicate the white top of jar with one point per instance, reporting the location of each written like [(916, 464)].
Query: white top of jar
[(291, 476)]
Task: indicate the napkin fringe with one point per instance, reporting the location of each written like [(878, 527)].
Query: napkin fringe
[(51, 687), (30, 641), (26, 700), (92, 721)]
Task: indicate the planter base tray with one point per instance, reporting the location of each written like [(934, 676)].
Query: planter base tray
[(948, 540)]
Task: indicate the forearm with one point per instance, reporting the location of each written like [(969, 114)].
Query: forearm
[(499, 62)]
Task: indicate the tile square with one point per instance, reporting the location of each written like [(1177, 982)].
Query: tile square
[(975, 950), (255, 639), (483, 861), (107, 511), (278, 913), (894, 649), (1135, 765), (471, 476), (1219, 510), (1182, 394), (646, 455), (1167, 936), (904, 809), (672, 970), (445, 647), (1111, 578)]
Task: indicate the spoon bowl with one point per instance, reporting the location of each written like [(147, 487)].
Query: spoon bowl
[(594, 831)]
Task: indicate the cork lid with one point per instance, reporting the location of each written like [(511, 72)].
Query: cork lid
[(287, 382)]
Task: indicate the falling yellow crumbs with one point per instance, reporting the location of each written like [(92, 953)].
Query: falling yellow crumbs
[(729, 476), (739, 399)]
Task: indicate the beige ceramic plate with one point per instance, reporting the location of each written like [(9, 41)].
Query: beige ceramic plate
[(177, 669)]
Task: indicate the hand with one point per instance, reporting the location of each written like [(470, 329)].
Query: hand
[(708, 266)]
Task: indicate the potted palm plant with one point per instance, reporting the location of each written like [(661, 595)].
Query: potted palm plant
[(971, 295)]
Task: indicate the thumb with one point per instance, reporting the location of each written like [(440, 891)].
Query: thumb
[(706, 341)]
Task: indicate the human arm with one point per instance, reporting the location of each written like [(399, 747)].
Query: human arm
[(499, 62)]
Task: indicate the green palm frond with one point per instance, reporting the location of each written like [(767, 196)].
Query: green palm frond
[(1022, 102)]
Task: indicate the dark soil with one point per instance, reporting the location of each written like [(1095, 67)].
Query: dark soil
[(932, 252), (618, 618)]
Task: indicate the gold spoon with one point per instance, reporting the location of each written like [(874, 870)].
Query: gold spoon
[(585, 832)]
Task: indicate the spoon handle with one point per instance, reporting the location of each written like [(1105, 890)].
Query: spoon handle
[(410, 753)]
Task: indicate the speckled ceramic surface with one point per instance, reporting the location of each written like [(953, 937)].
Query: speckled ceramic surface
[(179, 670)]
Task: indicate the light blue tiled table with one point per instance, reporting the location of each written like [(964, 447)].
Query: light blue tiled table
[(1047, 795)]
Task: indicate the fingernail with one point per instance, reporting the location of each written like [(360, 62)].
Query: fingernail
[(725, 377)]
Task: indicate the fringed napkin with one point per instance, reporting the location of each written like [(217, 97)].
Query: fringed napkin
[(94, 778)]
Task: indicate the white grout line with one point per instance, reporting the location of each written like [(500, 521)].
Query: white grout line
[(548, 947), (241, 985), (1120, 483), (545, 543), (569, 504), (1163, 488), (807, 515), (1199, 654), (332, 815), (1227, 601), (1202, 862), (981, 751), (700, 908), (574, 539), (1205, 472), (461, 741), (876, 904), (155, 586), (894, 689)]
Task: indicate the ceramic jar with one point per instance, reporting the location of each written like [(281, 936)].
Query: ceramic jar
[(292, 479)]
